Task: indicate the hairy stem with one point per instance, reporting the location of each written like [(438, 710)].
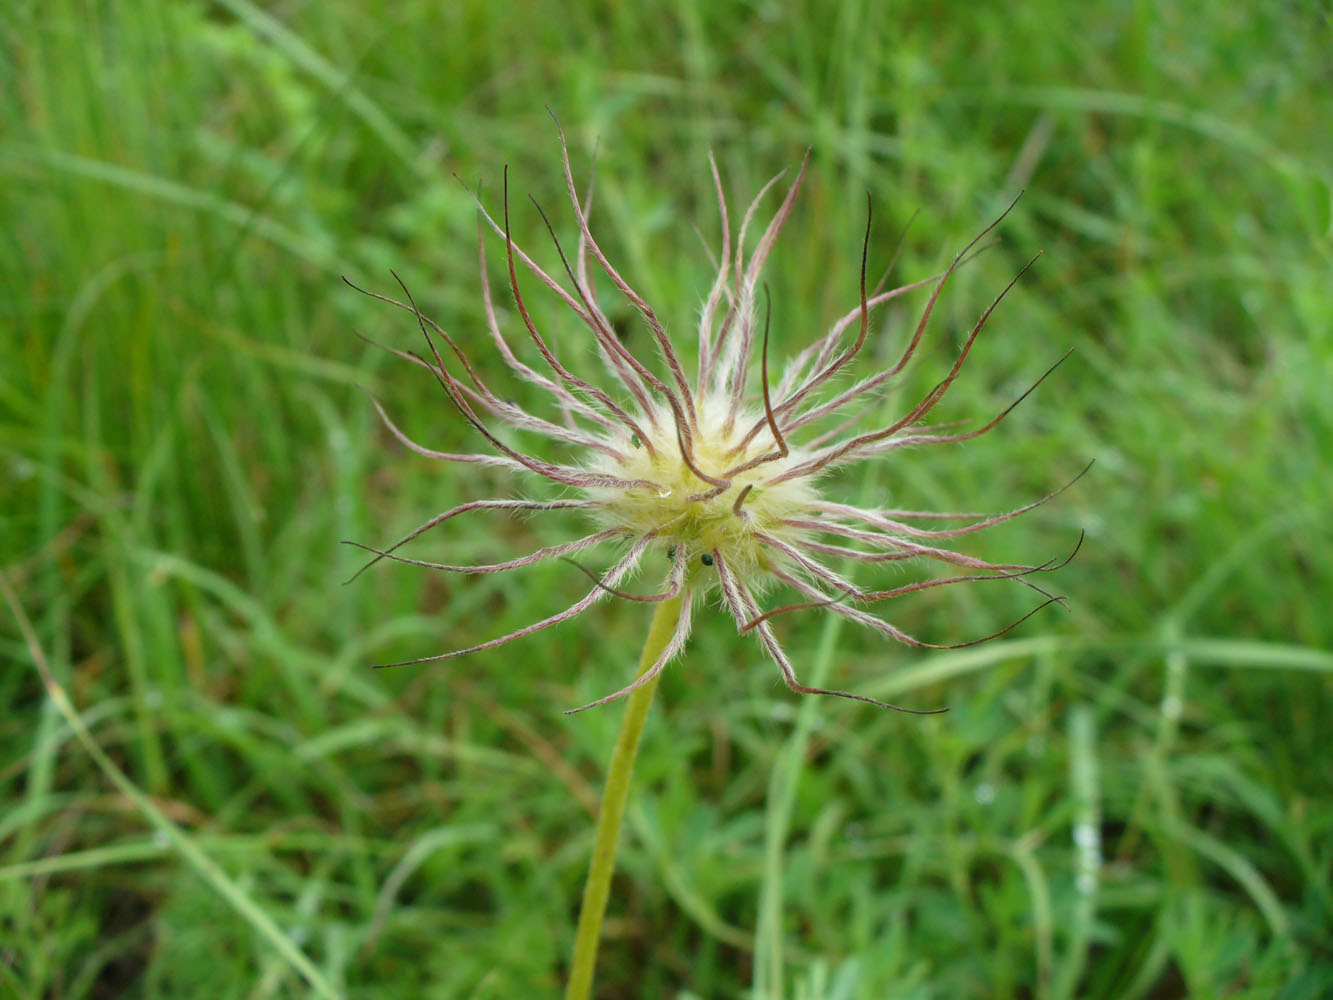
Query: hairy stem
[(598, 886)]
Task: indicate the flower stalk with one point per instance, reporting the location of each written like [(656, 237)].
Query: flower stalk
[(597, 888)]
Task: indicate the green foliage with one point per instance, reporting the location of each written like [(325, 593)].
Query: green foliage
[(1131, 800)]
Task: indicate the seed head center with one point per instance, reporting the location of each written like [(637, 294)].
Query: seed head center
[(686, 510)]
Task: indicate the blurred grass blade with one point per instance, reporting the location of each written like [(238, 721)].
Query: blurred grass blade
[(173, 192), (203, 865), (338, 82)]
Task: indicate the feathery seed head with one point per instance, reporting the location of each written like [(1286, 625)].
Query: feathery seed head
[(717, 471)]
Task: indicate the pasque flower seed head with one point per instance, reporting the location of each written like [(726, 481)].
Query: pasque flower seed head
[(720, 472)]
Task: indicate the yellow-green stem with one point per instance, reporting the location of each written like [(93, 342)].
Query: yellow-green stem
[(618, 775)]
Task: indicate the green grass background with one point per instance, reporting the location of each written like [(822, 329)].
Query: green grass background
[(1133, 799)]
